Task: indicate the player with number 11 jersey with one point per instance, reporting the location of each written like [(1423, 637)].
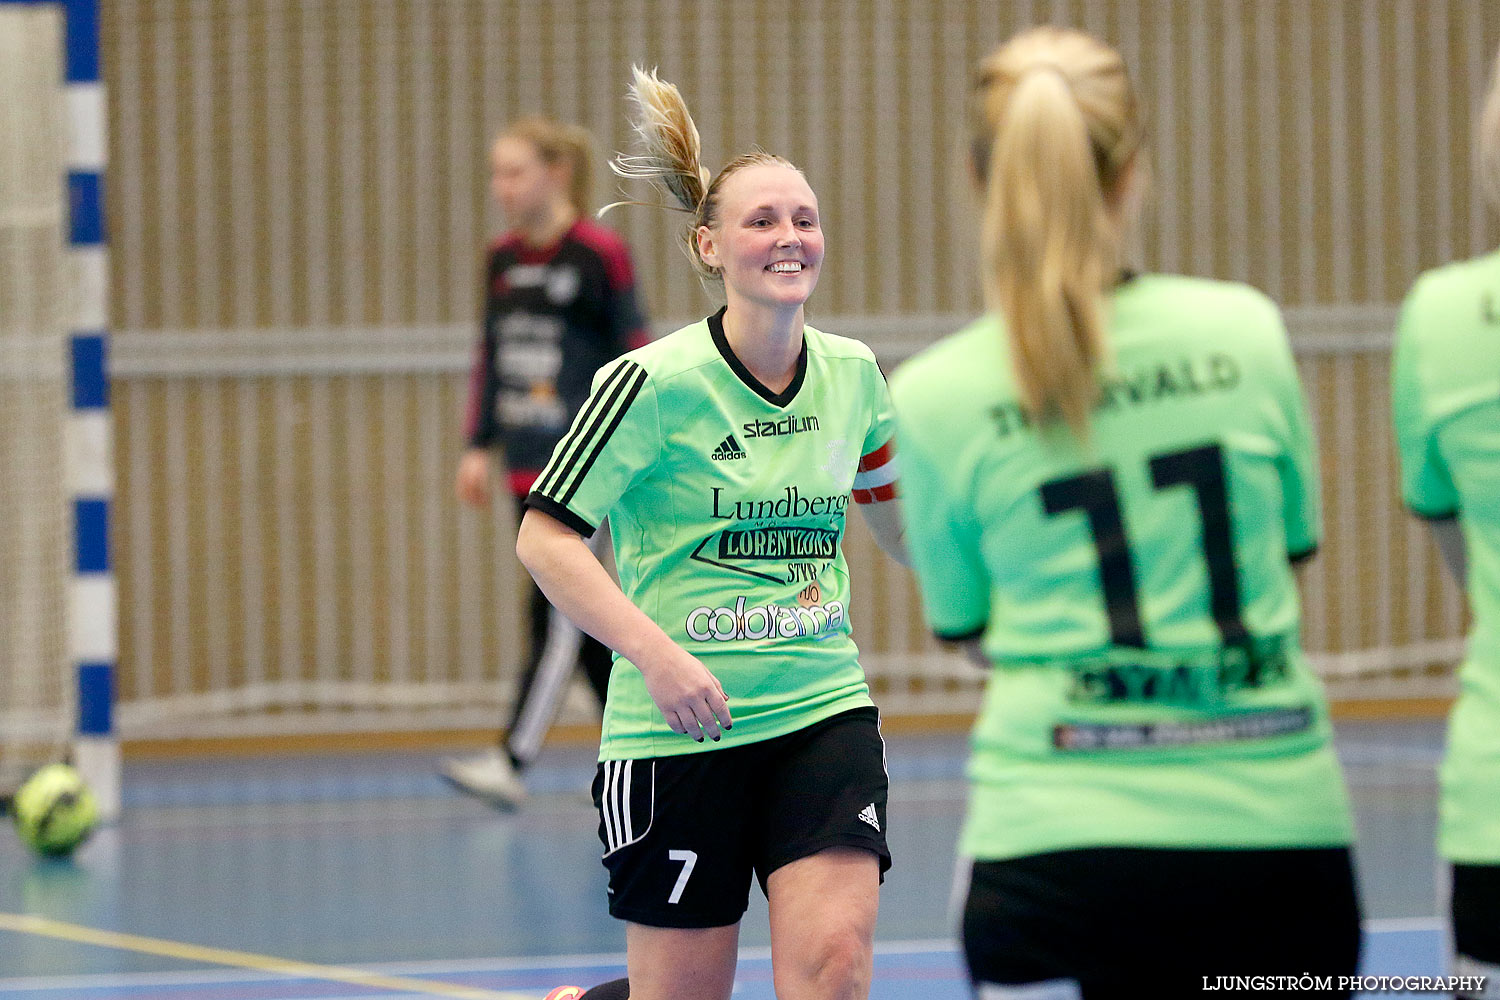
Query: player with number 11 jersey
[(1107, 480), (1133, 587)]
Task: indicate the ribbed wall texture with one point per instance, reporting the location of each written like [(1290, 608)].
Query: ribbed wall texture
[(299, 204), (316, 163), (36, 544)]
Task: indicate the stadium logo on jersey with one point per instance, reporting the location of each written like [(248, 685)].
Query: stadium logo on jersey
[(789, 424), (729, 450), (766, 621)]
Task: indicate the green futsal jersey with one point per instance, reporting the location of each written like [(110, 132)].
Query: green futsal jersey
[(1446, 395), (1134, 591), (726, 505)]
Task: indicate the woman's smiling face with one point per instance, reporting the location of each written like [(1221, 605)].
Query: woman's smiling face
[(767, 240)]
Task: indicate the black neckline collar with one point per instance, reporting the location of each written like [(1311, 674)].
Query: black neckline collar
[(716, 330)]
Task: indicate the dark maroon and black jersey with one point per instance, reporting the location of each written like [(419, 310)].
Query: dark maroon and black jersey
[(553, 315)]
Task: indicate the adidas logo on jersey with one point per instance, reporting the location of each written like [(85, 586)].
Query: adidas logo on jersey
[(728, 450), (868, 815)]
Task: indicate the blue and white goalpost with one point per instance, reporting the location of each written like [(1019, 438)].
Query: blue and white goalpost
[(59, 39), (93, 641)]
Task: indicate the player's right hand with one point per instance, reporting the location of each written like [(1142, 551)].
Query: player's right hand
[(690, 697), (473, 484)]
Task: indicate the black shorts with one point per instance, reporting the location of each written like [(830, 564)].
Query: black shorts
[(683, 834), (1127, 922), (1476, 912)]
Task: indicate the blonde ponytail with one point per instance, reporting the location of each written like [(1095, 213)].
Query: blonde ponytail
[(669, 158), (1055, 127), (1047, 247), (671, 150)]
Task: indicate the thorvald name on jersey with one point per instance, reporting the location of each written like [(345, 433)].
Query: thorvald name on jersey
[(789, 424), (763, 621), (1182, 378)]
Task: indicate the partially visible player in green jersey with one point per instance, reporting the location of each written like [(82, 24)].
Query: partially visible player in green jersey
[(739, 735), (1445, 389), (1107, 480)]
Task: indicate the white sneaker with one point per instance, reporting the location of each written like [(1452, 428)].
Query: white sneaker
[(488, 775)]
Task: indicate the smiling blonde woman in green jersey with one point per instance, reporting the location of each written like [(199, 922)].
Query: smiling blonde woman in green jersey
[(1106, 481), (1445, 389), (739, 737)]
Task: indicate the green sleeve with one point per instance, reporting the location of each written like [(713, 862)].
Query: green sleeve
[(944, 544), (614, 441), (1426, 484), (1301, 490), (883, 419)]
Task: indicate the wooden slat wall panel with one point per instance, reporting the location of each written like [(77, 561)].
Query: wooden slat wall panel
[(302, 530), (314, 163)]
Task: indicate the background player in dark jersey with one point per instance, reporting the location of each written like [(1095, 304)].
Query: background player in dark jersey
[(1106, 480), (1447, 416), (726, 456), (559, 301)]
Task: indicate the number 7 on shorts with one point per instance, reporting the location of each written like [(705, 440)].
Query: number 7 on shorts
[(688, 859)]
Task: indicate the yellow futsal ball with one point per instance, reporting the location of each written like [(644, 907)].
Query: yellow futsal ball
[(54, 811)]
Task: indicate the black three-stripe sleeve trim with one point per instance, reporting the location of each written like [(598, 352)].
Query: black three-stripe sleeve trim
[(570, 443), (566, 444), (625, 381), (632, 388), (557, 511)]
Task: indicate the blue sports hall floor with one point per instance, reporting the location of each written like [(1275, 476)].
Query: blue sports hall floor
[(364, 876)]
